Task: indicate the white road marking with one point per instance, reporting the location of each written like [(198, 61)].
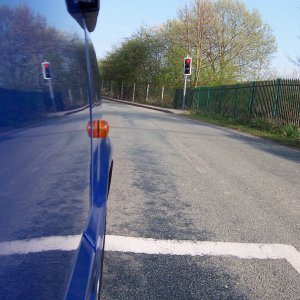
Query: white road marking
[(164, 247), (174, 247)]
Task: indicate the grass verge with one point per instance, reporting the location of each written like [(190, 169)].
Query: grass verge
[(269, 129)]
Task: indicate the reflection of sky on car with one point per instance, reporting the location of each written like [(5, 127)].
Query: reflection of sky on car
[(42, 39), (54, 13)]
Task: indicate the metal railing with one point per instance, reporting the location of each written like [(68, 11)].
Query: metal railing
[(277, 99), (273, 100)]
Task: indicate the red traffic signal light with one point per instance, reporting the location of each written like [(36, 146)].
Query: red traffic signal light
[(46, 70), (187, 66)]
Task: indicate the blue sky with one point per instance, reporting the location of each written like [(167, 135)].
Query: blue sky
[(119, 19)]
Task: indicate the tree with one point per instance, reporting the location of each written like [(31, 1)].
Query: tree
[(195, 22), (20, 26), (27, 41), (227, 41), (248, 43), (138, 59)]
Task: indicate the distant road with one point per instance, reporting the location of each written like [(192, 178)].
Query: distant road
[(180, 180)]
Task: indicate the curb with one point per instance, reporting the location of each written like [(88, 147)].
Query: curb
[(165, 110), (69, 112), (76, 110), (49, 115)]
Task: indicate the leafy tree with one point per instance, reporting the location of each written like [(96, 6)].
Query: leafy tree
[(138, 59), (245, 44), (227, 41), (193, 28)]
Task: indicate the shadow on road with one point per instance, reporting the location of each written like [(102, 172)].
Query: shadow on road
[(261, 144), (255, 142), (139, 276)]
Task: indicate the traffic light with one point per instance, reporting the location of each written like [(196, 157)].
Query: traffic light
[(187, 66), (46, 70)]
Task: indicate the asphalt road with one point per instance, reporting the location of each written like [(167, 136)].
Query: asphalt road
[(176, 179), (44, 175)]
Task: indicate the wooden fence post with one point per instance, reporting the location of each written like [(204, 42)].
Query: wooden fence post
[(133, 96), (147, 93), (110, 91), (122, 90)]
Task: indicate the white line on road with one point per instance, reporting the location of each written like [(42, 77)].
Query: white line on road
[(174, 247), (164, 247)]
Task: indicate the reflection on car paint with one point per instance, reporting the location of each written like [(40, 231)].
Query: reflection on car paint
[(47, 159)]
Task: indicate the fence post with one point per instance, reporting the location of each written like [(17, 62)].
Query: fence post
[(235, 101), (162, 94), (251, 97), (70, 96), (110, 91), (208, 100), (147, 93), (198, 99), (52, 95), (276, 97), (133, 92), (184, 92), (220, 101), (122, 89)]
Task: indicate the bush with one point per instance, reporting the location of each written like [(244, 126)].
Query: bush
[(290, 131)]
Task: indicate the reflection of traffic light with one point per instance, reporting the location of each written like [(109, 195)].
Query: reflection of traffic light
[(187, 66), (46, 70)]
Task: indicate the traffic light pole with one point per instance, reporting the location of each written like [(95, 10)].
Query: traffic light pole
[(47, 76), (187, 71), (184, 92), (52, 94)]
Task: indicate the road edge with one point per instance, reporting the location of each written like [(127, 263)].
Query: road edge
[(166, 110)]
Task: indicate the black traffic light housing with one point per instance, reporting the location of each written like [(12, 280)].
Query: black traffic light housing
[(187, 66), (46, 70)]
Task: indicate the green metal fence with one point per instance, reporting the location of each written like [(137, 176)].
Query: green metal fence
[(277, 99)]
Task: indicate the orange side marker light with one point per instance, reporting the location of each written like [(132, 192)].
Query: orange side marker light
[(99, 130)]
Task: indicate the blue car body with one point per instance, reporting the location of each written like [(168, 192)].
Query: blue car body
[(54, 177)]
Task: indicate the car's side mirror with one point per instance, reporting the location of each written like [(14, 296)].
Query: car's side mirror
[(84, 10)]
